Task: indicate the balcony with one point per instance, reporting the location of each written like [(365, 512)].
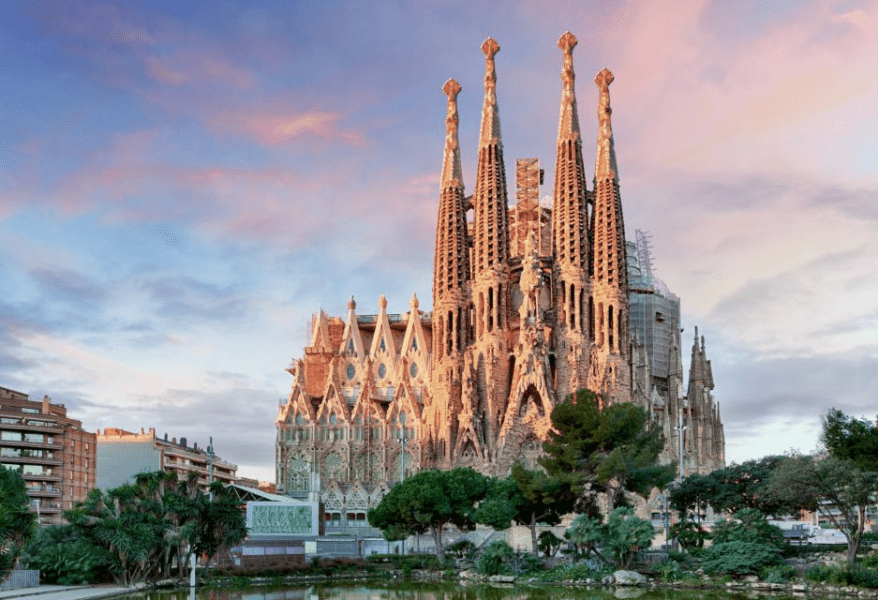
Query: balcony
[(44, 491), (32, 460), (40, 477), (29, 444)]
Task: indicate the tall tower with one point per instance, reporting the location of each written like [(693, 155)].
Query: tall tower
[(490, 293), (451, 306), (609, 371), (570, 237)]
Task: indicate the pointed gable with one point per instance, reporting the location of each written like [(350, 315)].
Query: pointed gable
[(351, 340), (415, 348), (383, 351)]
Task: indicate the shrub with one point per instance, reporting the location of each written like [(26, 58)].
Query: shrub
[(495, 559), (863, 576), (739, 558), (690, 535), (549, 543), (671, 570), (66, 557), (777, 573), (462, 549), (749, 525)]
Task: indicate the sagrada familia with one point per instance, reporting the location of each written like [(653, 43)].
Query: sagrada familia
[(530, 304)]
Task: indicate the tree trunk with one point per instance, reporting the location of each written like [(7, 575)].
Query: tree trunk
[(437, 541), (535, 549), (854, 540)]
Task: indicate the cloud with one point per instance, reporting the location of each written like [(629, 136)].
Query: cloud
[(197, 70), (761, 397), (273, 126), (180, 299)]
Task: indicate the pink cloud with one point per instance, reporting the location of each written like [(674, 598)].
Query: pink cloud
[(695, 105), (274, 127), (198, 69)]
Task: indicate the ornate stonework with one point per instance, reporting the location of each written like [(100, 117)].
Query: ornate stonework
[(530, 303)]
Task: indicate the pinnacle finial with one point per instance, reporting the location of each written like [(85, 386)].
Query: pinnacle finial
[(490, 131), (352, 304), (382, 302), (414, 302), (452, 89), (603, 79), (568, 124), (490, 47), (605, 166), (452, 172), (567, 42)]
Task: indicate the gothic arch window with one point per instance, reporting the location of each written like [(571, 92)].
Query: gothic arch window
[(490, 309), (572, 300), (591, 319), (601, 323), (332, 467), (299, 471), (500, 305), (610, 327), (581, 306)]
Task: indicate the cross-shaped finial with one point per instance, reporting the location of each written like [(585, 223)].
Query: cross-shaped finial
[(490, 48), (604, 78), (451, 88), (567, 42)]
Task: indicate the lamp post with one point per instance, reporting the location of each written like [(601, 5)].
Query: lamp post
[(666, 520)]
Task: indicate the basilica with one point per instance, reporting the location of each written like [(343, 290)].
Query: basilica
[(531, 302)]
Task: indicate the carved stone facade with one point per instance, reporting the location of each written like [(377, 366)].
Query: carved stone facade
[(530, 303)]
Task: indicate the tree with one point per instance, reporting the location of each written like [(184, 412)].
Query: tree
[(428, 501), (743, 545), (616, 448), (219, 522), (527, 497), (733, 488), (147, 525), (848, 438), (615, 542), (17, 522), (838, 488)]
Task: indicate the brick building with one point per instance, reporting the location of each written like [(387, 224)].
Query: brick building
[(56, 458)]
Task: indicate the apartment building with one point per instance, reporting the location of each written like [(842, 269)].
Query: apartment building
[(56, 458), (123, 454)]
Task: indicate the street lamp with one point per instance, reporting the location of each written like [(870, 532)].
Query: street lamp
[(666, 521)]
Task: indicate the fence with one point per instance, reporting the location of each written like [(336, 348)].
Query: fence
[(21, 578)]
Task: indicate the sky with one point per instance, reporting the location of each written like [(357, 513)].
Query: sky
[(183, 184)]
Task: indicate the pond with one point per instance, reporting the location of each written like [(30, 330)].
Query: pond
[(439, 591)]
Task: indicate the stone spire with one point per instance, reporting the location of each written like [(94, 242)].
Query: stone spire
[(605, 164), (610, 265), (569, 212), (490, 201), (451, 260), (609, 303), (452, 173)]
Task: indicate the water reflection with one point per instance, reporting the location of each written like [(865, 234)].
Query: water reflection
[(434, 591)]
